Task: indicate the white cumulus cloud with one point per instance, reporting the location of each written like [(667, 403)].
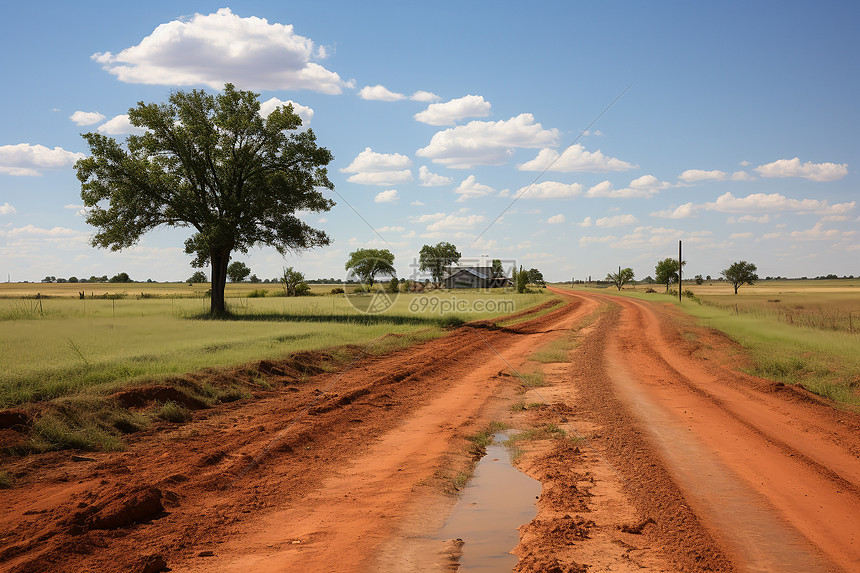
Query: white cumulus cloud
[(606, 189), (550, 190), (379, 93), (389, 196), (574, 158), (696, 175), (450, 112), (271, 104), (86, 117), (808, 170), (7, 209), (424, 96), (223, 47), (650, 183), (33, 231), (680, 212), (120, 125), (429, 179), (469, 188), (616, 221), (24, 159), (817, 233), (768, 203), (556, 219), (372, 168), (486, 142)]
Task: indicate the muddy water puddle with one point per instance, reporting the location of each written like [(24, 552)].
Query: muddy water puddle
[(497, 500)]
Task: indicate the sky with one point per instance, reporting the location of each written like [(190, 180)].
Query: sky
[(571, 137)]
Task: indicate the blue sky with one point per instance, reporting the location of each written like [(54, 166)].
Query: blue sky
[(738, 134)]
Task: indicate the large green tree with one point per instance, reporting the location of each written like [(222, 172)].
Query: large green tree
[(740, 273), (213, 163), (434, 258), (367, 263), (666, 272)]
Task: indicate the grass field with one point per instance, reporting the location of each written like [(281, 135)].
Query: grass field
[(60, 344), (797, 331), (63, 355)]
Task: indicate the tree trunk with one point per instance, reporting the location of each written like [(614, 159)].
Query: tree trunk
[(219, 281), (736, 287)]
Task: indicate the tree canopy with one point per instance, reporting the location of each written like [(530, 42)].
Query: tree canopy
[(666, 271), (367, 263), (197, 277), (536, 277), (237, 271), (622, 277), (434, 258), (212, 163), (740, 273)]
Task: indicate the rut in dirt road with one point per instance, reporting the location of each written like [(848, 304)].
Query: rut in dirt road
[(755, 476)]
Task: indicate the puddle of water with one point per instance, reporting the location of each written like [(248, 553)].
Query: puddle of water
[(497, 500)]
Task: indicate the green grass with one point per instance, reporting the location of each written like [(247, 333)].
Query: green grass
[(173, 412), (532, 379), (825, 362), (555, 351), (101, 345), (62, 355)]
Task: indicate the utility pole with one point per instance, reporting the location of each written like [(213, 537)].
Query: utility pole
[(680, 265)]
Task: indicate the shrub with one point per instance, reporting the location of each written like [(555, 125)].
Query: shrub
[(337, 290), (257, 293), (302, 289)]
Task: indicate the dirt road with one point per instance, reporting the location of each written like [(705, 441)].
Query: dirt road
[(672, 460)]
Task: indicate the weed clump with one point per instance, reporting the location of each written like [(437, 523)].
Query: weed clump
[(173, 412)]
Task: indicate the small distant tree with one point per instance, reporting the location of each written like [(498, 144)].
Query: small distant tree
[(498, 270), (666, 272), (648, 280), (237, 271), (367, 263), (198, 277), (536, 277), (49, 279), (622, 277), (393, 286), (522, 279), (740, 273), (73, 279), (699, 279), (120, 278), (434, 258), (292, 280)]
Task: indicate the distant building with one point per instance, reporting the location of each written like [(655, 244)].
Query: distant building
[(474, 273)]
